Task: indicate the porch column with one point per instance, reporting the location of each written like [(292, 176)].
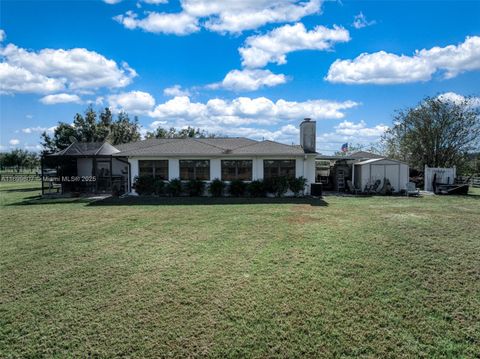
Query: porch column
[(215, 169), (173, 169), (257, 167), (134, 172)]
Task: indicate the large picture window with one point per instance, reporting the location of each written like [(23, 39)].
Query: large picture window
[(155, 168), (195, 169), (236, 169), (278, 168)]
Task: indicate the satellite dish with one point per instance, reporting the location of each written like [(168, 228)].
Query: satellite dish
[(72, 139)]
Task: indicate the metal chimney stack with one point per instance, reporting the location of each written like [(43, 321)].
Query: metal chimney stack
[(308, 135)]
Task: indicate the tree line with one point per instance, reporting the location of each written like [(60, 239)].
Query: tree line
[(99, 127), (19, 160)]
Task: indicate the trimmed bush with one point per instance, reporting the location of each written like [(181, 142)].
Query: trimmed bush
[(269, 185), (159, 187), (216, 187), (195, 187), (144, 185), (174, 187), (238, 188), (256, 188), (297, 185), (280, 186)]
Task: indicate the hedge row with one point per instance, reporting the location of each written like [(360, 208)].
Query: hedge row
[(147, 185)]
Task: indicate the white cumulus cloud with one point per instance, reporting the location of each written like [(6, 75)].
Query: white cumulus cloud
[(260, 50), (386, 68), (223, 16), (51, 70), (134, 102), (223, 115), (151, 2), (60, 98), (249, 80), (14, 79), (350, 132), (14, 142), (459, 99), (165, 23), (360, 21), (175, 90), (3, 35), (38, 129)]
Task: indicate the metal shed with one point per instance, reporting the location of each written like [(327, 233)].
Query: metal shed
[(365, 173)]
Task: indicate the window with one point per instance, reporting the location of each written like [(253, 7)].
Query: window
[(195, 169), (236, 169), (278, 168), (157, 169)]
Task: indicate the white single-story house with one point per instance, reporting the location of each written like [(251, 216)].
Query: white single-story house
[(115, 168)]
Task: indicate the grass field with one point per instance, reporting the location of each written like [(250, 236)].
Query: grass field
[(344, 277)]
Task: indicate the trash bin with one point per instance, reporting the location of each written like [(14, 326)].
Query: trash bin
[(316, 189)]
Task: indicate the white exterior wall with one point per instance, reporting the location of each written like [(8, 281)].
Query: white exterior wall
[(303, 167), (309, 172)]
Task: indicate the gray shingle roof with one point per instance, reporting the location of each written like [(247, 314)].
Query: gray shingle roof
[(207, 147)]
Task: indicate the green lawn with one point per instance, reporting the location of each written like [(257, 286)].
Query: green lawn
[(349, 277)]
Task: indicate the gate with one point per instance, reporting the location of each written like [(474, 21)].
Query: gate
[(443, 175)]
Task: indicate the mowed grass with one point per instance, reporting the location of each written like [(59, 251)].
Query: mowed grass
[(354, 277)]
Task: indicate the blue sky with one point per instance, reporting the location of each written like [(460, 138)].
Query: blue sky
[(249, 68)]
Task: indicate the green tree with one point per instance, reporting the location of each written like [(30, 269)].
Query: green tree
[(437, 133), (89, 128), (189, 132), (61, 138), (123, 130), (104, 127), (19, 159)]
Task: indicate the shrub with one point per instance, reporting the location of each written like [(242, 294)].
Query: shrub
[(256, 188), (174, 187), (238, 188), (297, 185), (269, 185), (280, 186), (159, 187), (144, 185), (195, 187), (216, 187)]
